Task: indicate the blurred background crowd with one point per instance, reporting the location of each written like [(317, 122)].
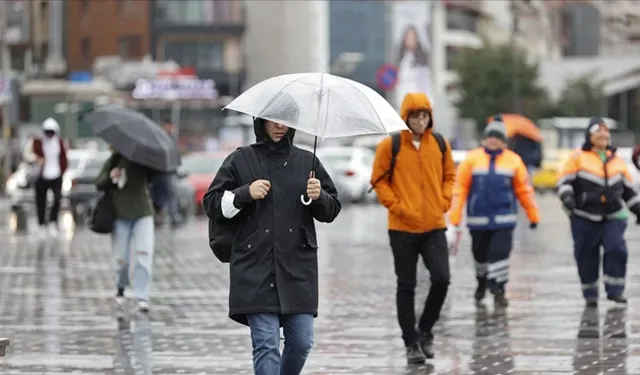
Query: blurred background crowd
[(181, 61)]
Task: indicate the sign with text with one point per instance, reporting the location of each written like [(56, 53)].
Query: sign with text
[(175, 89)]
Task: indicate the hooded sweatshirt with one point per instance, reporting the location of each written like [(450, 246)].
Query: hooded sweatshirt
[(52, 150), (422, 186)]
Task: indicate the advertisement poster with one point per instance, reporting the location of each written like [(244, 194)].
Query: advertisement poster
[(412, 41)]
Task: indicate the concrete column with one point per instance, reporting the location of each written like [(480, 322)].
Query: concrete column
[(56, 63)]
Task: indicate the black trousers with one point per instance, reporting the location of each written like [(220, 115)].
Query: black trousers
[(42, 186), (407, 249), (491, 249)]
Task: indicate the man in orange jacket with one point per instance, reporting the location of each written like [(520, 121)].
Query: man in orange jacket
[(416, 187), (489, 182)]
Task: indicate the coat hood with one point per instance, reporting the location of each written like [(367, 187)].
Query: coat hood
[(283, 107), (413, 102), (51, 124)]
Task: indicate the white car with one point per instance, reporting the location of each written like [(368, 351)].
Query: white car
[(352, 167), (458, 156), (20, 192)]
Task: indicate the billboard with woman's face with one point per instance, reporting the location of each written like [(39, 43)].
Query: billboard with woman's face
[(411, 38)]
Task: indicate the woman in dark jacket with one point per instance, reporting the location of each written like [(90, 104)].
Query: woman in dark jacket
[(274, 262)]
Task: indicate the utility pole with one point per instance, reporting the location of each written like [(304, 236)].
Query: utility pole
[(6, 89), (515, 79)]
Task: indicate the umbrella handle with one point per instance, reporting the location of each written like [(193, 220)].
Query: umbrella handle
[(305, 202)]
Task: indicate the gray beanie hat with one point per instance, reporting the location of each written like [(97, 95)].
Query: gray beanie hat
[(496, 129)]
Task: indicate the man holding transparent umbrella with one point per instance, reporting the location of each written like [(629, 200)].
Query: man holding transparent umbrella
[(273, 262)]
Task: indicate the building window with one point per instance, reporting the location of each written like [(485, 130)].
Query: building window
[(452, 54), (204, 56), (86, 50), (130, 47), (462, 19), (196, 12)]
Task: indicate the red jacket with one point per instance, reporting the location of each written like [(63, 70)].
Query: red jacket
[(39, 152)]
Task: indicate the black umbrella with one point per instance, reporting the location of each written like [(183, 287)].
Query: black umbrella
[(135, 136)]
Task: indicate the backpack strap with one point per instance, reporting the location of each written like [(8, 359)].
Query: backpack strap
[(441, 143), (252, 160), (395, 149)]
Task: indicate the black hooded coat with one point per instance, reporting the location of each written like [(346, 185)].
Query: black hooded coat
[(274, 263)]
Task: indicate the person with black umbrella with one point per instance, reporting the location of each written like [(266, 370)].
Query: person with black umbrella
[(133, 230), (141, 150)]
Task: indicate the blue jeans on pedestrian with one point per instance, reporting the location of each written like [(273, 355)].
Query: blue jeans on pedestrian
[(137, 237), (265, 339), (173, 200)]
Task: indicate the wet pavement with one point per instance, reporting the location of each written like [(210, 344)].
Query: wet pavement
[(55, 307)]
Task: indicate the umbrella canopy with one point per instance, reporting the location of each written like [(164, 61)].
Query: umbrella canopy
[(135, 137), (320, 104), (520, 125)]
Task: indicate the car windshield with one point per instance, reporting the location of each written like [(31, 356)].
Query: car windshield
[(74, 163), (201, 164), (333, 159)]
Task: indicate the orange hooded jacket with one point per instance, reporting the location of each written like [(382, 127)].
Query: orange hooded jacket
[(422, 186)]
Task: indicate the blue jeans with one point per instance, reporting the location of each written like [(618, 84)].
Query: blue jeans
[(173, 201), (135, 236), (265, 339)]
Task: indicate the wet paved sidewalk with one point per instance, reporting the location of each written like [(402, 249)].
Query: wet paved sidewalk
[(55, 307)]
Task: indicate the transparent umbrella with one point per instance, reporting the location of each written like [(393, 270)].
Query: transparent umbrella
[(320, 104)]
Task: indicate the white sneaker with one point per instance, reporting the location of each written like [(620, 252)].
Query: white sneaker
[(119, 302), (143, 306), (41, 233), (53, 230)]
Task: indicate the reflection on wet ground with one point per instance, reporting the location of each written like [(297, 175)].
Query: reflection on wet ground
[(55, 307)]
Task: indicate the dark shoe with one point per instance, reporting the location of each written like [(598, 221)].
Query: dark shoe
[(592, 302), (620, 300), (500, 300), (414, 354), (481, 291), (426, 343)]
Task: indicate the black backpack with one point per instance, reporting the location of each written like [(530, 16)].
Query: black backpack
[(222, 234), (395, 149)]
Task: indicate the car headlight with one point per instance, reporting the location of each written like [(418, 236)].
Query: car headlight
[(11, 185), (67, 184)]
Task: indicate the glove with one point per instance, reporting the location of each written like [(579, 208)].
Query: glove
[(533, 226), (569, 203)]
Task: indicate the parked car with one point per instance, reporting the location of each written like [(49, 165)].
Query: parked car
[(352, 167), (21, 193), (80, 189), (458, 156), (545, 179), (198, 170)]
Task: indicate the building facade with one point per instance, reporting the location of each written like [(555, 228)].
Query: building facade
[(360, 27), (285, 36), (205, 35), (105, 28)]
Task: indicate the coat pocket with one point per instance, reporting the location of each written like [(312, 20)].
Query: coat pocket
[(309, 241), (247, 242)]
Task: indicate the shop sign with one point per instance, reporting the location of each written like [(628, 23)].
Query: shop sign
[(175, 89)]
